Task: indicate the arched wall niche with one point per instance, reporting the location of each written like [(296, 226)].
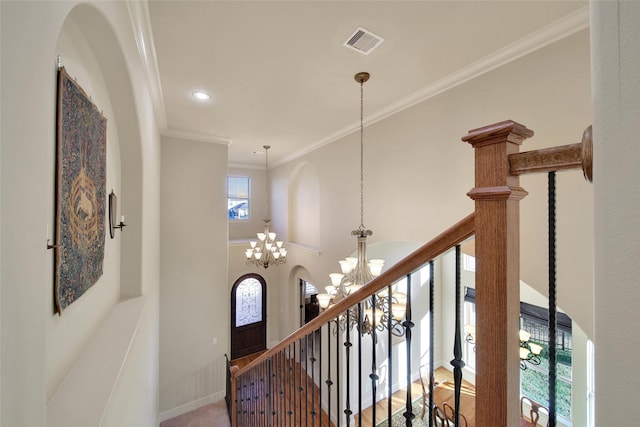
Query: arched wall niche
[(304, 205), (90, 52), (101, 37)]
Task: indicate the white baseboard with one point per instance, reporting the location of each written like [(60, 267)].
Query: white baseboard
[(190, 406)]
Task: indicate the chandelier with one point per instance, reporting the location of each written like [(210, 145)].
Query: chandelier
[(529, 351), (266, 250), (381, 310)]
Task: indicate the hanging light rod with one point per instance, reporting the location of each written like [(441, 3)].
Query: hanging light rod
[(266, 250), (357, 271)]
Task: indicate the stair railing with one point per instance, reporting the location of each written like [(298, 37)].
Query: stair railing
[(291, 377), (270, 390)]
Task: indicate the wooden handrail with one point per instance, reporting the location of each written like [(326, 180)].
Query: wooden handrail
[(446, 240)]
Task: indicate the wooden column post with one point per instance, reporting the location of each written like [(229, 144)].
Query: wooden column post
[(497, 195)]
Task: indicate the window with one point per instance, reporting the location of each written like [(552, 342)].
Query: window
[(238, 197), (534, 381), (248, 302), (309, 288), (469, 262), (470, 327)]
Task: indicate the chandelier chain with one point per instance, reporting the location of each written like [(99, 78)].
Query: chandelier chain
[(266, 181), (362, 155), (383, 310), (266, 250)]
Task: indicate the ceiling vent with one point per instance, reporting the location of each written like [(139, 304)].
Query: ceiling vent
[(364, 41)]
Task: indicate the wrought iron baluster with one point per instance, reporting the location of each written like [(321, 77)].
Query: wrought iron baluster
[(251, 390), (254, 400), (457, 362), (347, 345), (313, 378), (256, 392), (297, 384), (373, 375), (281, 388), (359, 366), (552, 300), (266, 393), (320, 379), (329, 382), (389, 357), (306, 381), (300, 387), (239, 408), (254, 395), (339, 420), (431, 340), (292, 385), (285, 384), (244, 396), (408, 325), (270, 409), (262, 391), (247, 395)]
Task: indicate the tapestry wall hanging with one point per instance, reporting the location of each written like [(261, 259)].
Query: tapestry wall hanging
[(80, 192)]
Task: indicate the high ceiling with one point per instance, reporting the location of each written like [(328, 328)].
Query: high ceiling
[(278, 72)]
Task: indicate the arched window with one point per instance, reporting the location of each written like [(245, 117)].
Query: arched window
[(248, 302)]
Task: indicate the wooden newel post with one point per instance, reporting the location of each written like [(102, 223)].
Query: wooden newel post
[(497, 195)]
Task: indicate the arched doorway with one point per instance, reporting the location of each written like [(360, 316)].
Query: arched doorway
[(248, 315)]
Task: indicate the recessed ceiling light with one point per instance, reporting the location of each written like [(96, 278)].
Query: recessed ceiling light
[(202, 96)]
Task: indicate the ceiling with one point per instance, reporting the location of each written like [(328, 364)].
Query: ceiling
[(278, 73)]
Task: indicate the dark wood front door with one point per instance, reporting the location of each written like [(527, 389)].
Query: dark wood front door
[(248, 315)]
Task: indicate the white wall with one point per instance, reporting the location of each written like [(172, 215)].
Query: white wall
[(39, 349), (26, 132), (304, 212), (616, 96), (194, 305)]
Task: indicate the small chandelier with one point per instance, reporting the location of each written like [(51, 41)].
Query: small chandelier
[(266, 250), (358, 271), (529, 351)]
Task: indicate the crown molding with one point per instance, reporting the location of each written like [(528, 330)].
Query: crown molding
[(246, 166), (196, 136), (141, 25), (551, 33)]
